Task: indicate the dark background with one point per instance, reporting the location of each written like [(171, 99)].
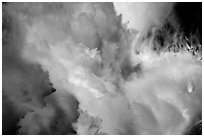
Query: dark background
[(189, 16)]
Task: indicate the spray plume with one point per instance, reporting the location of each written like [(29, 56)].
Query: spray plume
[(77, 68)]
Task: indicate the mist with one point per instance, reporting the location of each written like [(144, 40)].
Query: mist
[(98, 68)]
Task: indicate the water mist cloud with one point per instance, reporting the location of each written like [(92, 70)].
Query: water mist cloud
[(143, 16), (75, 68)]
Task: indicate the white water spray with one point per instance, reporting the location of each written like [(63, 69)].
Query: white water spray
[(84, 47)]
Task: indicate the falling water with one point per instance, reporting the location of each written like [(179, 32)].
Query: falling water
[(107, 76)]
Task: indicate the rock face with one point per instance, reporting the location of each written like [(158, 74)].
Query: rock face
[(196, 129)]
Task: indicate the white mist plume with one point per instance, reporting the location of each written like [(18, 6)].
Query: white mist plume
[(143, 16), (86, 51)]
